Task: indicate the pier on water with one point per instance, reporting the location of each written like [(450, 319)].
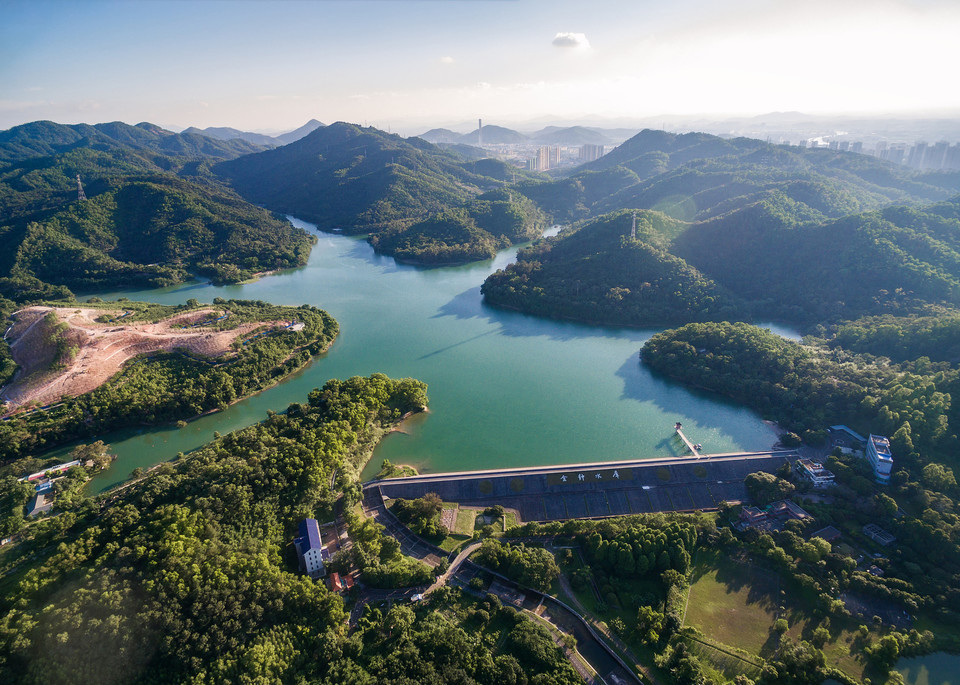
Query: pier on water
[(694, 449)]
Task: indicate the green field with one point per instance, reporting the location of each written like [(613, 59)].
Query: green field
[(733, 603)]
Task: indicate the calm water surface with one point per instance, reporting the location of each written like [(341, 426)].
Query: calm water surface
[(506, 389), (934, 669)]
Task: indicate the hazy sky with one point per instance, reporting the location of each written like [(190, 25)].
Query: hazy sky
[(273, 65)]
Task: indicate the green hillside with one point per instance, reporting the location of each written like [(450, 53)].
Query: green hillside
[(497, 220), (154, 213), (47, 138), (598, 273), (777, 258), (697, 176), (361, 180), (149, 231)]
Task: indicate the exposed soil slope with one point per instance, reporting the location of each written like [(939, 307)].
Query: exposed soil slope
[(101, 349)]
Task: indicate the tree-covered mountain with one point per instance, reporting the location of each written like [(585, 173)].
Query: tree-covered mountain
[(597, 272), (227, 133), (464, 234), (358, 179), (146, 231), (45, 138), (697, 176), (154, 213), (774, 258)]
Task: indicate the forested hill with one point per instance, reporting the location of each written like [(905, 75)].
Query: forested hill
[(776, 258), (598, 273), (361, 180), (464, 234), (153, 213), (150, 231), (46, 138), (696, 176)]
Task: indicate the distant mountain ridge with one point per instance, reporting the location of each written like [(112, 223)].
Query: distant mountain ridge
[(227, 133), (358, 179), (44, 138), (297, 134), (498, 135)]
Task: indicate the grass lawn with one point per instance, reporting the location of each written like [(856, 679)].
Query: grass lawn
[(733, 603), (465, 521)]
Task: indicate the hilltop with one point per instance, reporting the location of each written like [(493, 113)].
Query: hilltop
[(153, 215), (776, 258), (361, 180)]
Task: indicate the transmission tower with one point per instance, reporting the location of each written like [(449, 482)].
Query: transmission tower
[(80, 194), (633, 230)]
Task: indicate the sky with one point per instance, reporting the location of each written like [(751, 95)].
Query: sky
[(272, 65)]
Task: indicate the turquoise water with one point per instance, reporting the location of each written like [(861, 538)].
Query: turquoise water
[(505, 389)]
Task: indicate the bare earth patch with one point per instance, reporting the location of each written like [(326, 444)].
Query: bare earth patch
[(102, 349)]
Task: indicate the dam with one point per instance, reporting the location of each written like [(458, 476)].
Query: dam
[(598, 489)]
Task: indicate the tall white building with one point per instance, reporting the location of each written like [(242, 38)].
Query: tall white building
[(878, 452), (310, 548)]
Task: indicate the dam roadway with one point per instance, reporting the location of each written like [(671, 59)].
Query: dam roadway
[(597, 489)]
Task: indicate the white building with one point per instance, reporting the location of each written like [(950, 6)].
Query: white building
[(310, 548), (878, 452), (815, 473)]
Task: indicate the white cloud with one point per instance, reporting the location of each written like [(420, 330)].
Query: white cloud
[(446, 60), (571, 40)]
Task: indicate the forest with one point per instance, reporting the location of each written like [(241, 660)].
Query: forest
[(361, 180), (188, 575), (465, 234), (170, 387), (808, 387), (762, 261), (154, 214)]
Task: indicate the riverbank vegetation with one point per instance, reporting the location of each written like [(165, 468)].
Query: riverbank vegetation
[(767, 259), (808, 387), (188, 574), (168, 387), (154, 214), (465, 234)]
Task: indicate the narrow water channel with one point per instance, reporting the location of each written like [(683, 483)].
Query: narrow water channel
[(506, 389)]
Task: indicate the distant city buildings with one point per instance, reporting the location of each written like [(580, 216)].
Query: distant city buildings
[(590, 153), (548, 157), (941, 156)]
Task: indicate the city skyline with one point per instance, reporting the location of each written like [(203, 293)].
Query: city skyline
[(272, 66)]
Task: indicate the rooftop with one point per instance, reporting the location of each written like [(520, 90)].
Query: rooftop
[(849, 431), (309, 535), (882, 446)]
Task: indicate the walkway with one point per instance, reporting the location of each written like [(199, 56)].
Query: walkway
[(686, 441)]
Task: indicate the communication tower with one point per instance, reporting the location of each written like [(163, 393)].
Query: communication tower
[(80, 194)]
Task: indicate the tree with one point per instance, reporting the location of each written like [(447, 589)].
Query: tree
[(939, 477), (764, 488), (98, 452)]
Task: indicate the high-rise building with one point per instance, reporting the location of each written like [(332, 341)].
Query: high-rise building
[(857, 147), (935, 156), (915, 157), (589, 153), (952, 160)]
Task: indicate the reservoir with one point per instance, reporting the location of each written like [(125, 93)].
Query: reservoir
[(506, 389)]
